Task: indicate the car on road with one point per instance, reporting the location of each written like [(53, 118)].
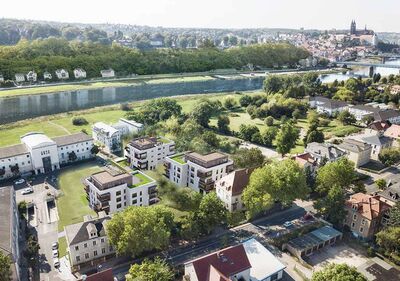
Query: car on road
[(56, 262), (27, 190), (20, 181), (288, 224), (55, 253), (54, 246)]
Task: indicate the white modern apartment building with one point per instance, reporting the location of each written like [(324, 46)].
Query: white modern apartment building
[(128, 127), (148, 152), (87, 242), (229, 189), (197, 171), (107, 136), (39, 154), (79, 73), (9, 230), (112, 190)]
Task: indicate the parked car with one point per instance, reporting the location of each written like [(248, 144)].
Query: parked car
[(27, 190), (55, 253), (54, 246), (288, 224), (20, 181), (56, 262)]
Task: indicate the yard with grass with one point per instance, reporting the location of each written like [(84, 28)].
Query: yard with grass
[(142, 179), (62, 246), (180, 158), (72, 205)]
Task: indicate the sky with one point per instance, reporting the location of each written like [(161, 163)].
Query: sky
[(382, 15)]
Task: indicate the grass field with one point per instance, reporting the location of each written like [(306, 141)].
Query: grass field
[(62, 246), (72, 204)]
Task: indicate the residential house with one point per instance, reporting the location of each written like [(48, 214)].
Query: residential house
[(362, 111), (62, 74), (31, 76), (107, 73), (307, 244), (19, 77), (391, 194), (393, 132), (365, 215), (128, 127), (230, 188), (379, 115), (105, 275), (39, 154), (248, 261), (87, 242), (395, 89), (147, 152), (79, 73), (113, 189), (376, 142), (197, 171), (9, 230), (306, 161), (388, 115), (107, 136), (327, 106), (47, 76), (324, 152), (358, 152), (379, 127)]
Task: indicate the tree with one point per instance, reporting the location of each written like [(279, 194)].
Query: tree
[(223, 124), (338, 272), (346, 118), (273, 84), (389, 156), (139, 229), (331, 206), (286, 138), (5, 267), (157, 270), (388, 239), (339, 173), (246, 132), (72, 156), (269, 121), (203, 111), (245, 100), (381, 183), (344, 95), (314, 136), (95, 149), (248, 158), (211, 213), (268, 136), (230, 102), (282, 181), (394, 215), (79, 121)]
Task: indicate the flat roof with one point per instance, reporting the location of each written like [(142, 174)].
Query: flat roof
[(326, 233), (108, 176), (314, 238), (104, 127), (71, 139)]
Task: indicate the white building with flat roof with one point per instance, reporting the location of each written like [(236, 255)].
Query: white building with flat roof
[(128, 127), (107, 73), (107, 136)]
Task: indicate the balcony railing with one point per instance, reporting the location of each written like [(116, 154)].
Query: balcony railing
[(229, 169), (204, 175), (104, 197)]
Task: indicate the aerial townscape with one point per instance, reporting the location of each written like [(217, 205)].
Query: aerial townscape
[(214, 150)]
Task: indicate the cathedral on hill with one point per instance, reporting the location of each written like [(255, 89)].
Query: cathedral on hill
[(364, 36), (354, 31)]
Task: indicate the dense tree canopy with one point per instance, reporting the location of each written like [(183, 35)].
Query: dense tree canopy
[(157, 270), (286, 138), (331, 205), (338, 272), (248, 158), (5, 267)]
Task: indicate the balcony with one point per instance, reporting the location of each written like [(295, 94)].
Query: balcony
[(229, 169), (152, 190), (204, 175), (104, 197), (153, 196), (141, 156), (98, 207), (207, 185)]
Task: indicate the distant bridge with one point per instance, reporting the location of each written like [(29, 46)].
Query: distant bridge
[(368, 64)]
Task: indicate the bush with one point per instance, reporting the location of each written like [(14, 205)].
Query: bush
[(371, 252), (230, 102), (79, 121), (269, 121), (125, 106)]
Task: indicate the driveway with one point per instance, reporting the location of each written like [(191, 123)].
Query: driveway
[(267, 152)]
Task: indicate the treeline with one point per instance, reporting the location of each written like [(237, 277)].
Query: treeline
[(53, 53)]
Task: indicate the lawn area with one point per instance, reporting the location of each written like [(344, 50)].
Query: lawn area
[(62, 246), (179, 158), (72, 205), (62, 88), (143, 179), (240, 117)]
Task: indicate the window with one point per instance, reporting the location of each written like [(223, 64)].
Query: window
[(103, 250), (102, 240), (134, 195), (353, 225), (361, 229), (119, 205), (78, 258), (118, 193), (86, 255), (363, 222), (76, 248), (94, 253), (119, 199), (85, 245), (134, 202), (110, 248), (354, 217), (94, 243)]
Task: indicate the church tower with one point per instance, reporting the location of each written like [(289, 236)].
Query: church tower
[(353, 27)]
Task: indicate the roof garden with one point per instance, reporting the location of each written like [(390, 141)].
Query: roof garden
[(164, 140), (140, 179), (180, 158)]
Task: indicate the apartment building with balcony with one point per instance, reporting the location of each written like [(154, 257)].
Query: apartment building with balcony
[(197, 171), (112, 190), (107, 136), (146, 153)]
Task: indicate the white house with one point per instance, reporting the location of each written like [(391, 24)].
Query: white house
[(199, 172), (87, 242), (229, 189), (249, 261), (112, 190), (148, 152), (62, 74), (9, 230), (358, 152), (107, 136), (1, 78), (39, 154), (128, 127), (79, 73), (47, 76), (19, 77), (327, 106), (375, 140), (31, 76), (107, 73)]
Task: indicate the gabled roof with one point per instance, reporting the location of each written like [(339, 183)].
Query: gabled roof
[(393, 132), (236, 181), (354, 145), (379, 126), (71, 139), (384, 115), (366, 205), (14, 150), (329, 103), (106, 275), (77, 233), (324, 150), (305, 158)]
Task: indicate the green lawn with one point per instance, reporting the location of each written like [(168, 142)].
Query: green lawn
[(72, 204), (143, 179), (179, 158), (62, 247)]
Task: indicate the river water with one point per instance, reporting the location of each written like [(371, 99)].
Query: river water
[(23, 107)]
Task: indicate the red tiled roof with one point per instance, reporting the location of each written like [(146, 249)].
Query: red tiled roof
[(393, 132), (106, 275), (368, 206), (304, 158), (224, 263), (379, 126)]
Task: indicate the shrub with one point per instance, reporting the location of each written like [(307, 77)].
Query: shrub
[(79, 121), (269, 121), (125, 106)]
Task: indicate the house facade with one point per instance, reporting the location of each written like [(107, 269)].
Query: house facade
[(366, 214), (376, 142), (128, 127), (47, 76), (147, 152), (107, 136), (39, 154), (87, 242), (197, 171), (358, 152), (19, 77), (327, 106), (79, 73), (112, 190), (229, 189), (322, 152), (62, 74), (31, 76), (107, 73)]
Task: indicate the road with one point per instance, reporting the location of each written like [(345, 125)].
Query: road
[(231, 237)]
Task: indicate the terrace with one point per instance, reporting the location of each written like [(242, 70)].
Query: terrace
[(140, 179), (180, 158)]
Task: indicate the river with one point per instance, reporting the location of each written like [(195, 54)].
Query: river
[(29, 106)]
